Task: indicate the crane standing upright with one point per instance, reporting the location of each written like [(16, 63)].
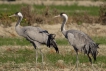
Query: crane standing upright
[(79, 40), (35, 35)]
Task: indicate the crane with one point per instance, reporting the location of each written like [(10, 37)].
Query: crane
[(79, 40), (35, 35)]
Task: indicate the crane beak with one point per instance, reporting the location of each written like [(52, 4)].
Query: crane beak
[(12, 15), (57, 16)]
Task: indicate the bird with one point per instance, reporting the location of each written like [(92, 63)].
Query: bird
[(35, 35), (79, 40)]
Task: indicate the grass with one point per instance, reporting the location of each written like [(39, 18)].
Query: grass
[(100, 40), (62, 41), (41, 13), (23, 42), (20, 56), (71, 9), (68, 58), (14, 41), (12, 8), (28, 55), (92, 10)]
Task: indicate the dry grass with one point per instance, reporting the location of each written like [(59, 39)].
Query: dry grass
[(60, 65), (42, 14), (102, 17)]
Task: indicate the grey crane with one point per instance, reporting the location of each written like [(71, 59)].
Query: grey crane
[(35, 35), (79, 40)]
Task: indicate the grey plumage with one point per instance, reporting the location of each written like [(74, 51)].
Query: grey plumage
[(35, 35), (82, 42), (79, 40)]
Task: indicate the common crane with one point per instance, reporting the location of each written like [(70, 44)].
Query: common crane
[(79, 40), (35, 35)]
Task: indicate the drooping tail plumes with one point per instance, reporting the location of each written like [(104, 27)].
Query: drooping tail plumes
[(94, 51), (50, 37), (91, 47), (51, 42)]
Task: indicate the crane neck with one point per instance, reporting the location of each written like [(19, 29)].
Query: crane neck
[(18, 22), (63, 24), (18, 28)]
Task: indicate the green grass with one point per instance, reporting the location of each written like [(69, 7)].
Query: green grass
[(10, 8), (63, 41), (91, 10), (41, 10), (23, 41), (100, 40), (14, 41), (27, 55), (68, 58), (19, 56), (71, 9)]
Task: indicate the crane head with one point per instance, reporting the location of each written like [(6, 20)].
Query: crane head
[(63, 15), (19, 14), (59, 15)]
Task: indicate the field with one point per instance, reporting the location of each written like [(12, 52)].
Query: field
[(41, 13), (17, 54)]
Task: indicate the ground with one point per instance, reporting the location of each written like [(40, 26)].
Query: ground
[(94, 29), (90, 29), (59, 65)]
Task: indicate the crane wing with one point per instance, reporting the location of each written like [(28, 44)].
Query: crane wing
[(78, 36), (71, 38), (36, 34), (80, 40)]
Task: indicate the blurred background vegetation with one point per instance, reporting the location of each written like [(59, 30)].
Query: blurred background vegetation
[(42, 14)]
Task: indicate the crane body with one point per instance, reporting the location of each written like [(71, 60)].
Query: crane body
[(79, 40), (35, 35)]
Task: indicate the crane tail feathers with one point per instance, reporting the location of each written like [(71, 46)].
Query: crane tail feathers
[(51, 42), (94, 51), (92, 48), (50, 37)]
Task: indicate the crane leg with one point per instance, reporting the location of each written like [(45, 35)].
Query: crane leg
[(36, 59), (42, 60), (93, 67), (91, 62), (77, 62)]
